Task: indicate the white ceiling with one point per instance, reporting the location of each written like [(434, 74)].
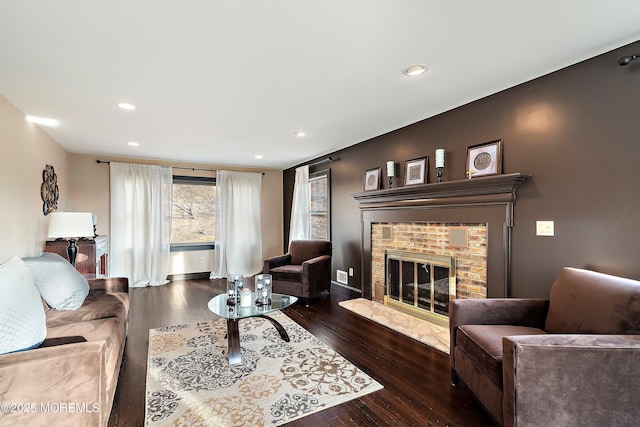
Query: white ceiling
[(217, 82)]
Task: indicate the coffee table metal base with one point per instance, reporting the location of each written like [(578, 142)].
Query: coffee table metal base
[(233, 337)]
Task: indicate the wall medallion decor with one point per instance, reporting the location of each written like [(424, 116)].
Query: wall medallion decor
[(372, 179), (484, 159), (49, 190), (416, 171)]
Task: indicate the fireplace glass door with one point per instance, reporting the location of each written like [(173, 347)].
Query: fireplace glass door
[(420, 283)]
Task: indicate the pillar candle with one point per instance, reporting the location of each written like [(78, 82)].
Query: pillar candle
[(391, 168), (440, 158), (245, 298)]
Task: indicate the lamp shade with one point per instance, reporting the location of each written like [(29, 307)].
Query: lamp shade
[(70, 225)]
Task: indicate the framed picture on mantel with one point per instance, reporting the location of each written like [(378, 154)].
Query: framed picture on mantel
[(416, 171), (372, 179), (484, 159)]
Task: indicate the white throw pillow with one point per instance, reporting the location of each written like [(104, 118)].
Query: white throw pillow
[(23, 324), (59, 283)]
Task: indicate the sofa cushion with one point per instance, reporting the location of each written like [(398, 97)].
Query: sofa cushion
[(22, 318), (588, 302), (483, 344), (289, 273), (59, 283), (94, 307)]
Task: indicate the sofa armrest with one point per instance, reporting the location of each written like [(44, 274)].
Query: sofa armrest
[(108, 285), (571, 379), (44, 378), (276, 261), (494, 311)]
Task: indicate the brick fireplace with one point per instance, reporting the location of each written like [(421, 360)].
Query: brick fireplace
[(420, 243), (468, 220)]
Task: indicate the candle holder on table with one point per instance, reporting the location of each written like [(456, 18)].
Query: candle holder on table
[(263, 289), (235, 283)]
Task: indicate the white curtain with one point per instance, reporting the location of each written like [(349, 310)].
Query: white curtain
[(140, 223), (239, 241), (299, 229)]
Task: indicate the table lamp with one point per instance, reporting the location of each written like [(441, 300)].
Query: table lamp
[(70, 226)]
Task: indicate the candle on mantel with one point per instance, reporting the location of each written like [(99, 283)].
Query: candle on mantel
[(440, 157), (391, 168)]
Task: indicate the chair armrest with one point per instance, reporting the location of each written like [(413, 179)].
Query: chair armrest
[(499, 311), (316, 263), (317, 260), (570, 379), (276, 261), (494, 311), (72, 373), (316, 274), (108, 285)]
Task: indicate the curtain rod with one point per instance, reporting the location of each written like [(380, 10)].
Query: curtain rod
[(319, 162), (173, 167)]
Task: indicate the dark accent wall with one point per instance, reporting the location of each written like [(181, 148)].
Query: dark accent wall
[(576, 131)]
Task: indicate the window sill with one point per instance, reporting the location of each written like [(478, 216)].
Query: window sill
[(186, 247)]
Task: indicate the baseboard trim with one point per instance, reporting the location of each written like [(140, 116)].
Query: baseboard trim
[(334, 283), (189, 276)]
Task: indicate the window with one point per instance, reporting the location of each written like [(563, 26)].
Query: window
[(193, 213), (319, 206)]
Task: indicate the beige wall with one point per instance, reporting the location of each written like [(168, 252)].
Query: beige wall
[(89, 191), (26, 150), (84, 186)]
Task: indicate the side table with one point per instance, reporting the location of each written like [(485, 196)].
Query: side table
[(93, 254)]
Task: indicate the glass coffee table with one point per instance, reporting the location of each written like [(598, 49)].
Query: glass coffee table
[(233, 313)]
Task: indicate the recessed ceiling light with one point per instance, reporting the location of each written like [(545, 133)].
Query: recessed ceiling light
[(300, 133), (44, 121), (126, 106), (257, 156), (415, 70), (133, 144)]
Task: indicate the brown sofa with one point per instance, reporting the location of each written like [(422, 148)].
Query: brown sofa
[(573, 360), (305, 271), (70, 380)]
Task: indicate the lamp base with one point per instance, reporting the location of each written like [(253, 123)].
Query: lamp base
[(439, 172), (390, 182), (72, 251)]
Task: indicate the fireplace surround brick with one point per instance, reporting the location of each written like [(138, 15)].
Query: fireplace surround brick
[(433, 238)]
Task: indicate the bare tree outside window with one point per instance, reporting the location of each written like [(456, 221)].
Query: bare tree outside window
[(193, 211)]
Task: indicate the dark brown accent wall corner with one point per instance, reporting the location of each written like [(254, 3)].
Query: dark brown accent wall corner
[(574, 131)]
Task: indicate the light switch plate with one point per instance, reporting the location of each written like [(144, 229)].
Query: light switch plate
[(544, 228)]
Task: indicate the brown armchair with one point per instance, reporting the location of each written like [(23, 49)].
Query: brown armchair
[(569, 361), (305, 271)]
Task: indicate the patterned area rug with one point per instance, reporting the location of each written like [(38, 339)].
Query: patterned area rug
[(190, 382), (426, 332)]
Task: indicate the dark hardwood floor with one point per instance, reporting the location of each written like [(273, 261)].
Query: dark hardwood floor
[(415, 376)]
